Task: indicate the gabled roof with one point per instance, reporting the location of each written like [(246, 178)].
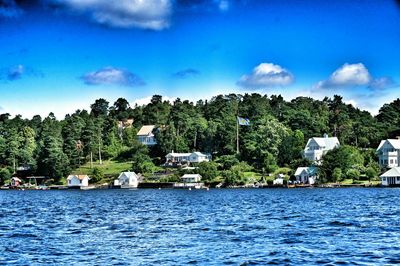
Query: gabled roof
[(394, 142), (80, 177), (128, 174), (309, 170), (146, 130), (392, 172), (328, 142)]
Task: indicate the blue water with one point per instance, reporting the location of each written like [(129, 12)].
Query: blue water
[(179, 227)]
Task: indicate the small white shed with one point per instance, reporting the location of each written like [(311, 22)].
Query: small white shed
[(191, 178), (127, 180), (279, 179), (78, 180)]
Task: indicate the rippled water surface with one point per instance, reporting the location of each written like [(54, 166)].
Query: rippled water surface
[(179, 227)]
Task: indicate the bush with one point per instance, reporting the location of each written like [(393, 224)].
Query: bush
[(207, 170), (97, 174)]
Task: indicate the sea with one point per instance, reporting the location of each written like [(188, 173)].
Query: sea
[(307, 226)]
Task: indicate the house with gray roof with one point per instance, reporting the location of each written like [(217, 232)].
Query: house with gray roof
[(388, 153), (317, 147)]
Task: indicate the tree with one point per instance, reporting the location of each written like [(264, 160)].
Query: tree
[(99, 108), (208, 170)]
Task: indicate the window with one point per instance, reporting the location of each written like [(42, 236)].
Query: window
[(384, 179), (391, 161), (398, 179)]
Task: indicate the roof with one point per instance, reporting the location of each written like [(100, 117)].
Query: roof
[(392, 172), (80, 177), (128, 174), (146, 130), (310, 170), (394, 142), (191, 176), (328, 142), (174, 154), (280, 176)]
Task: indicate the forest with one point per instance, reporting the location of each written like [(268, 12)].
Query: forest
[(275, 139)]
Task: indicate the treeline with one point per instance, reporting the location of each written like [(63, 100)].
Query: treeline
[(276, 137)]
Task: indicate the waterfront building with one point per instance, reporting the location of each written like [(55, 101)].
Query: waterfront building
[(190, 181), (317, 147), (15, 182), (184, 158), (146, 135), (127, 180), (391, 177), (306, 175), (388, 153), (78, 181), (279, 179)]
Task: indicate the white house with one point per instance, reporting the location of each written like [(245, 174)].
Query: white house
[(127, 180), (190, 181), (279, 179), (391, 177), (306, 175), (191, 178), (78, 180), (318, 147), (388, 153), (194, 157), (146, 135)]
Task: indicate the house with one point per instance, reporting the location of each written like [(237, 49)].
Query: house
[(181, 158), (78, 181), (316, 148), (306, 175), (190, 181), (146, 135), (191, 178), (122, 124), (391, 177), (15, 182), (127, 180), (388, 153), (279, 179)]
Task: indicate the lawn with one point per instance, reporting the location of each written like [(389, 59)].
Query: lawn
[(110, 168)]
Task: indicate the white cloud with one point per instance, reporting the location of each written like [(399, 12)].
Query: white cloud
[(223, 5), (111, 75), (146, 14), (347, 75), (266, 75)]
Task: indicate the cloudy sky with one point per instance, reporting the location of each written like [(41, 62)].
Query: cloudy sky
[(61, 55)]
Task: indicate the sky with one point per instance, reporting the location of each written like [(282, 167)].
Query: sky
[(60, 55)]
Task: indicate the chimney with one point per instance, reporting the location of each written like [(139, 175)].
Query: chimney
[(397, 137), (326, 135)]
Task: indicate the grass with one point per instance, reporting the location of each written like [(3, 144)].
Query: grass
[(110, 168)]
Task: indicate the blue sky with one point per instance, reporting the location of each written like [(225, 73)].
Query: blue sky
[(61, 55)]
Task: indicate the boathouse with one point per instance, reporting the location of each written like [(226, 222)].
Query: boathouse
[(391, 177), (306, 175), (127, 180), (78, 181)]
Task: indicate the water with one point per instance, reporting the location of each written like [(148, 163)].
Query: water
[(179, 227)]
